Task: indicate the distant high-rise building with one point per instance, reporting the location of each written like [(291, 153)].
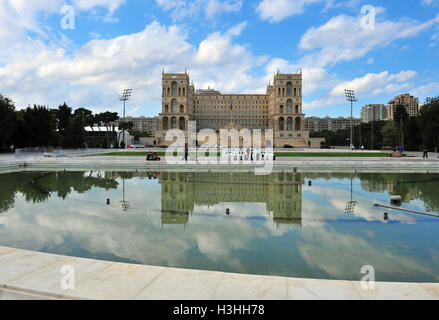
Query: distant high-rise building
[(144, 124), (315, 124), (410, 103), (373, 112)]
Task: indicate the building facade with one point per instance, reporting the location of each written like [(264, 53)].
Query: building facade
[(315, 124), (410, 103), (373, 112), (280, 109), (144, 124), (280, 192)]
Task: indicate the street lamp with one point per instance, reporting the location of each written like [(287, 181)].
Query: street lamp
[(125, 97), (350, 96)]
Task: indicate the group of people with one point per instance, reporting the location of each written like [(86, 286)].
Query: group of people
[(152, 157)]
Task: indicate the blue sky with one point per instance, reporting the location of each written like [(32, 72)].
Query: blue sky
[(235, 46)]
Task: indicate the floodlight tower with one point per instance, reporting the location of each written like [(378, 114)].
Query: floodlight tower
[(125, 97), (125, 204), (350, 96)]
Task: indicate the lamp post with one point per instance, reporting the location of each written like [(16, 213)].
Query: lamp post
[(125, 97), (350, 96)]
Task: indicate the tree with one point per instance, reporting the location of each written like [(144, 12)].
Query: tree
[(75, 133), (87, 117), (7, 122), (64, 116), (37, 126), (400, 114), (428, 123), (390, 134), (412, 135), (107, 119), (124, 126)]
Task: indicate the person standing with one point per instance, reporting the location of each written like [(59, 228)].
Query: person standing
[(12, 148), (186, 152), (425, 153)]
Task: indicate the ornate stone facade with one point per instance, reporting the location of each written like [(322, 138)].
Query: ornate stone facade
[(280, 109)]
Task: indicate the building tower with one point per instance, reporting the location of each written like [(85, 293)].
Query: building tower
[(176, 102)]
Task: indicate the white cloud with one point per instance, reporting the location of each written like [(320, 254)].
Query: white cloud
[(210, 9), (94, 75), (278, 10), (376, 83), (428, 90), (313, 78), (427, 2), (110, 5), (343, 39), (370, 85)]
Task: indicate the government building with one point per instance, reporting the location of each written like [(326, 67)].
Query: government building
[(280, 109)]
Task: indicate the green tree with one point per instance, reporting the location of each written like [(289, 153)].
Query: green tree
[(400, 114), (412, 136), (87, 117), (107, 119), (37, 126), (127, 126), (7, 122), (75, 134), (390, 134), (428, 123), (64, 116)]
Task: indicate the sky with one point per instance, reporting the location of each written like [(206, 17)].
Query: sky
[(85, 52)]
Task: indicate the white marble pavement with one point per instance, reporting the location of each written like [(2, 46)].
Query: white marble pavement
[(34, 275)]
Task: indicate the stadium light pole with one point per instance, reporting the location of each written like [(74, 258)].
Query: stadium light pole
[(350, 96), (125, 97)]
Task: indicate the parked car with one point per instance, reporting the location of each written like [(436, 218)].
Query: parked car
[(287, 146)]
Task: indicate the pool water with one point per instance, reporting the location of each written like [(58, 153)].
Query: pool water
[(280, 224)]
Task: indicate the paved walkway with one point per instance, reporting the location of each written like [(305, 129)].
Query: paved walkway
[(34, 275)]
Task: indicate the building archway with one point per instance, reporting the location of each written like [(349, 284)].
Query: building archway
[(165, 123), (281, 123), (289, 88), (298, 124), (182, 123), (289, 124), (289, 105), (174, 88), (174, 106)]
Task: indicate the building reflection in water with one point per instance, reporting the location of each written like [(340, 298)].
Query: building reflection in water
[(181, 192)]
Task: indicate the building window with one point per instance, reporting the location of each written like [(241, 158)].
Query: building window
[(174, 105), (289, 105), (289, 87), (289, 124), (174, 88)]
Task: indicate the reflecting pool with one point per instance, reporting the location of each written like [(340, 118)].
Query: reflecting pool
[(311, 225)]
